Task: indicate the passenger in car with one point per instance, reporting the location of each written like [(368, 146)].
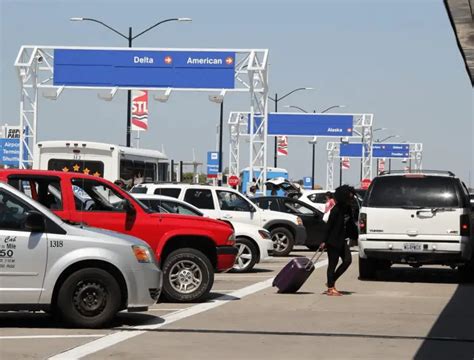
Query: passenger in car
[(335, 242)]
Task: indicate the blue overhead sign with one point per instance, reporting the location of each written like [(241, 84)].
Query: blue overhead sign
[(212, 164), (378, 150), (391, 150), (290, 124), (10, 152), (144, 68)]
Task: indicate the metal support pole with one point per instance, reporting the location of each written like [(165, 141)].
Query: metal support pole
[(181, 171), (219, 182), (389, 165), (275, 161), (340, 170), (129, 98), (313, 166), (172, 170)]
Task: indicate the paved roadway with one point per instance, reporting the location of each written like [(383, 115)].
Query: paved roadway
[(405, 314)]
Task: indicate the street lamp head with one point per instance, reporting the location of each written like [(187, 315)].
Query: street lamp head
[(309, 88), (76, 19), (219, 99), (185, 19)]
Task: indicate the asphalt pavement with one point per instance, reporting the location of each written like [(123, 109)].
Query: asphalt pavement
[(407, 313)]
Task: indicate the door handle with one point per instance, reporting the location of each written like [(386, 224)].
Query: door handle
[(227, 216)]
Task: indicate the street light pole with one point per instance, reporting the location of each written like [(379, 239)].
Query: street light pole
[(219, 181), (130, 39)]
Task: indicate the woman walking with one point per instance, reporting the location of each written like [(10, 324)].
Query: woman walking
[(336, 243)]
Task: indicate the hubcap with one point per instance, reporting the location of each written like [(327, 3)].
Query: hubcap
[(280, 242), (244, 257), (185, 276), (90, 298)]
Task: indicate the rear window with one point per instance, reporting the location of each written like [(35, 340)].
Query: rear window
[(413, 192), (172, 192)]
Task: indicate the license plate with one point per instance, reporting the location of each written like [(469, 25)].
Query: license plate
[(412, 247)]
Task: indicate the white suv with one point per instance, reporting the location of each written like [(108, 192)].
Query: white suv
[(227, 204), (416, 219), (84, 275)]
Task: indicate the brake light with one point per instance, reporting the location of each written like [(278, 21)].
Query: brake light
[(362, 223), (465, 226)]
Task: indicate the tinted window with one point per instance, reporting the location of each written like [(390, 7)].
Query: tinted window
[(268, 204), (296, 208), (171, 192), (404, 191), (319, 198), (47, 191), (231, 201), (95, 168), (134, 172), (202, 199), (177, 208), (13, 212), (138, 190)]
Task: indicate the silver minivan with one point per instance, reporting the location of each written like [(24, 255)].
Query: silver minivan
[(82, 275), (416, 219)]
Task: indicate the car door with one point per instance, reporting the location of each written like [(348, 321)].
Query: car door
[(235, 207), (98, 205), (312, 219), (23, 254)]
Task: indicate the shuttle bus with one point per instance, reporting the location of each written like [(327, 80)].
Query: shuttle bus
[(112, 162)]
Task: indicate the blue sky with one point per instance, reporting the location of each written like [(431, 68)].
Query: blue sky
[(396, 59)]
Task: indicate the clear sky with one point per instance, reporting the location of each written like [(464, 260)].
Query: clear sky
[(395, 58)]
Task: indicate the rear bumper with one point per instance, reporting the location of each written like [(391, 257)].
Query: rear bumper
[(225, 257), (300, 235), (428, 257)]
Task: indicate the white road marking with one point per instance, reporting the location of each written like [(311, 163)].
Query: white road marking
[(165, 309), (49, 337), (131, 332)]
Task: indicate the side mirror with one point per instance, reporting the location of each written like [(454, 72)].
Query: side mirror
[(252, 208), (34, 222), (129, 208)]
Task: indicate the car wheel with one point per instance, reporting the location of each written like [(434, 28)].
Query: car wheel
[(246, 257), (188, 276), (89, 298), (367, 269), (283, 241)]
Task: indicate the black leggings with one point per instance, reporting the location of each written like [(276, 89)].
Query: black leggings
[(333, 257)]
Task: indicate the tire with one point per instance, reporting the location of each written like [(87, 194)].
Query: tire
[(89, 298), (181, 269), (367, 269), (247, 256), (283, 241)]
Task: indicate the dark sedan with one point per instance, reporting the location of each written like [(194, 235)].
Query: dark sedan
[(312, 218)]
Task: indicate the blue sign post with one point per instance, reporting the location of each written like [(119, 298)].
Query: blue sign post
[(307, 182), (10, 152), (212, 164), (144, 68)]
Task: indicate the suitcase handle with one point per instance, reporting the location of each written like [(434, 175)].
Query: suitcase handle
[(316, 255)]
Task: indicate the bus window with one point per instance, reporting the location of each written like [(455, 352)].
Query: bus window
[(163, 171), (87, 167), (134, 172)]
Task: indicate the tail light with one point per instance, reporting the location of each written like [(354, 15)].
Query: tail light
[(465, 226), (362, 223)]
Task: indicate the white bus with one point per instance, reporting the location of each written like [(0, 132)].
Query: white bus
[(112, 162)]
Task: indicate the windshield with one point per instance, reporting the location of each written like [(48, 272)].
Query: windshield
[(413, 192)]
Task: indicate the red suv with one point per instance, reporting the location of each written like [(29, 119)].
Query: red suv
[(189, 248)]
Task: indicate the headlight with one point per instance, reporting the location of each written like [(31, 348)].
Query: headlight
[(142, 254), (264, 234), (299, 221)]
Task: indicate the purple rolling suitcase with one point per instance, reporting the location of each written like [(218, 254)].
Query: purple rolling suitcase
[(295, 273)]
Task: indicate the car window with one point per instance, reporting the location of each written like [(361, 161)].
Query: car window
[(201, 198), (319, 198), (138, 190), (91, 195), (178, 208), (268, 204), (404, 191), (171, 192), (47, 191), (13, 212), (231, 201), (296, 208)]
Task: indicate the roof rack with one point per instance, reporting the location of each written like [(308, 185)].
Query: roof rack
[(440, 172)]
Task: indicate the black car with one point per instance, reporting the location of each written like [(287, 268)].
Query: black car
[(312, 218)]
